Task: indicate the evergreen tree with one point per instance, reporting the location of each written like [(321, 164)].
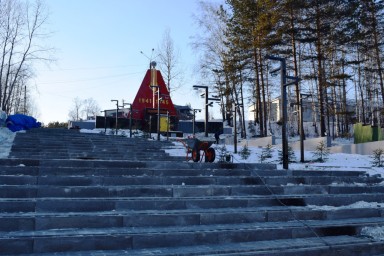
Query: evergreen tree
[(249, 29), (266, 153), (334, 46), (245, 152), (378, 157), (321, 152), (371, 24), (291, 155)]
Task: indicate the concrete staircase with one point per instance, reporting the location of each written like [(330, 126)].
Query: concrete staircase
[(54, 202), (71, 144)]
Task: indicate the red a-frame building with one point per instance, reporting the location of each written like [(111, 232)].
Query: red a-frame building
[(145, 106)]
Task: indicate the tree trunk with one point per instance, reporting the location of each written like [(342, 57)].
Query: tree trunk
[(295, 66), (243, 130), (264, 109), (258, 92), (320, 74), (376, 47)]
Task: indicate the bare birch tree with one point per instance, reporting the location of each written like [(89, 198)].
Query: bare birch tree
[(91, 108), (169, 63), (211, 44), (21, 27), (83, 109), (75, 113)]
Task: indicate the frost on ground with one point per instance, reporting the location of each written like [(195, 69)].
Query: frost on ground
[(376, 233), (6, 140), (359, 205)]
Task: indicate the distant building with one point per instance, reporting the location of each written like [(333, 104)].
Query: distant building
[(184, 112), (89, 124), (151, 102), (274, 110), (121, 113)]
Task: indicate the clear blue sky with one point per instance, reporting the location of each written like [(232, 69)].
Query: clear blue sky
[(98, 44)]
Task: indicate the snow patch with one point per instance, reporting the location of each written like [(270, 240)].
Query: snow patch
[(377, 233), (357, 205), (6, 140)]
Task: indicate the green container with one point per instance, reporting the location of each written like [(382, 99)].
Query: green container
[(367, 133)]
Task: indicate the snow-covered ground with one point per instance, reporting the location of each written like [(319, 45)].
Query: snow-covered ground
[(6, 140), (334, 162), (339, 161)]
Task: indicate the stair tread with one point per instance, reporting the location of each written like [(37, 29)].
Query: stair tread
[(218, 228), (276, 247)]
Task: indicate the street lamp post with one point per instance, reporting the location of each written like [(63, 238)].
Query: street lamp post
[(105, 121), (196, 87), (153, 84), (206, 107), (167, 125), (235, 127), (158, 114), (284, 77), (194, 119), (154, 87), (117, 111), (130, 118), (235, 132), (302, 135), (284, 109)]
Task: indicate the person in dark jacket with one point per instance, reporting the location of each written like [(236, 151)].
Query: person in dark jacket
[(217, 136)]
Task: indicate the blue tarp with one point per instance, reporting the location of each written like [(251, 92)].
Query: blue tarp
[(20, 122)]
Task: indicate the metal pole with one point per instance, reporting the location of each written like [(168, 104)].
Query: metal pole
[(117, 111), (283, 75), (206, 112), (105, 121), (193, 122), (130, 121), (301, 130), (154, 87), (206, 107), (167, 125), (25, 99), (235, 131), (158, 113), (285, 113)]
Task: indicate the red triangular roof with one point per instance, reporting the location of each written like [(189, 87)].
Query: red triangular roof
[(144, 97)]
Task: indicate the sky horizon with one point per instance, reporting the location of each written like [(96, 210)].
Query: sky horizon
[(98, 46)]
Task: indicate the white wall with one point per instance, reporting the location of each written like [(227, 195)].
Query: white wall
[(361, 148), (311, 144), (259, 142)]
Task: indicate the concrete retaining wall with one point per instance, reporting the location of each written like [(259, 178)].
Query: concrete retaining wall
[(311, 144), (361, 148), (259, 142)]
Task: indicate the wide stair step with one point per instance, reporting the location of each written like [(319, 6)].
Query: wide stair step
[(71, 144)]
